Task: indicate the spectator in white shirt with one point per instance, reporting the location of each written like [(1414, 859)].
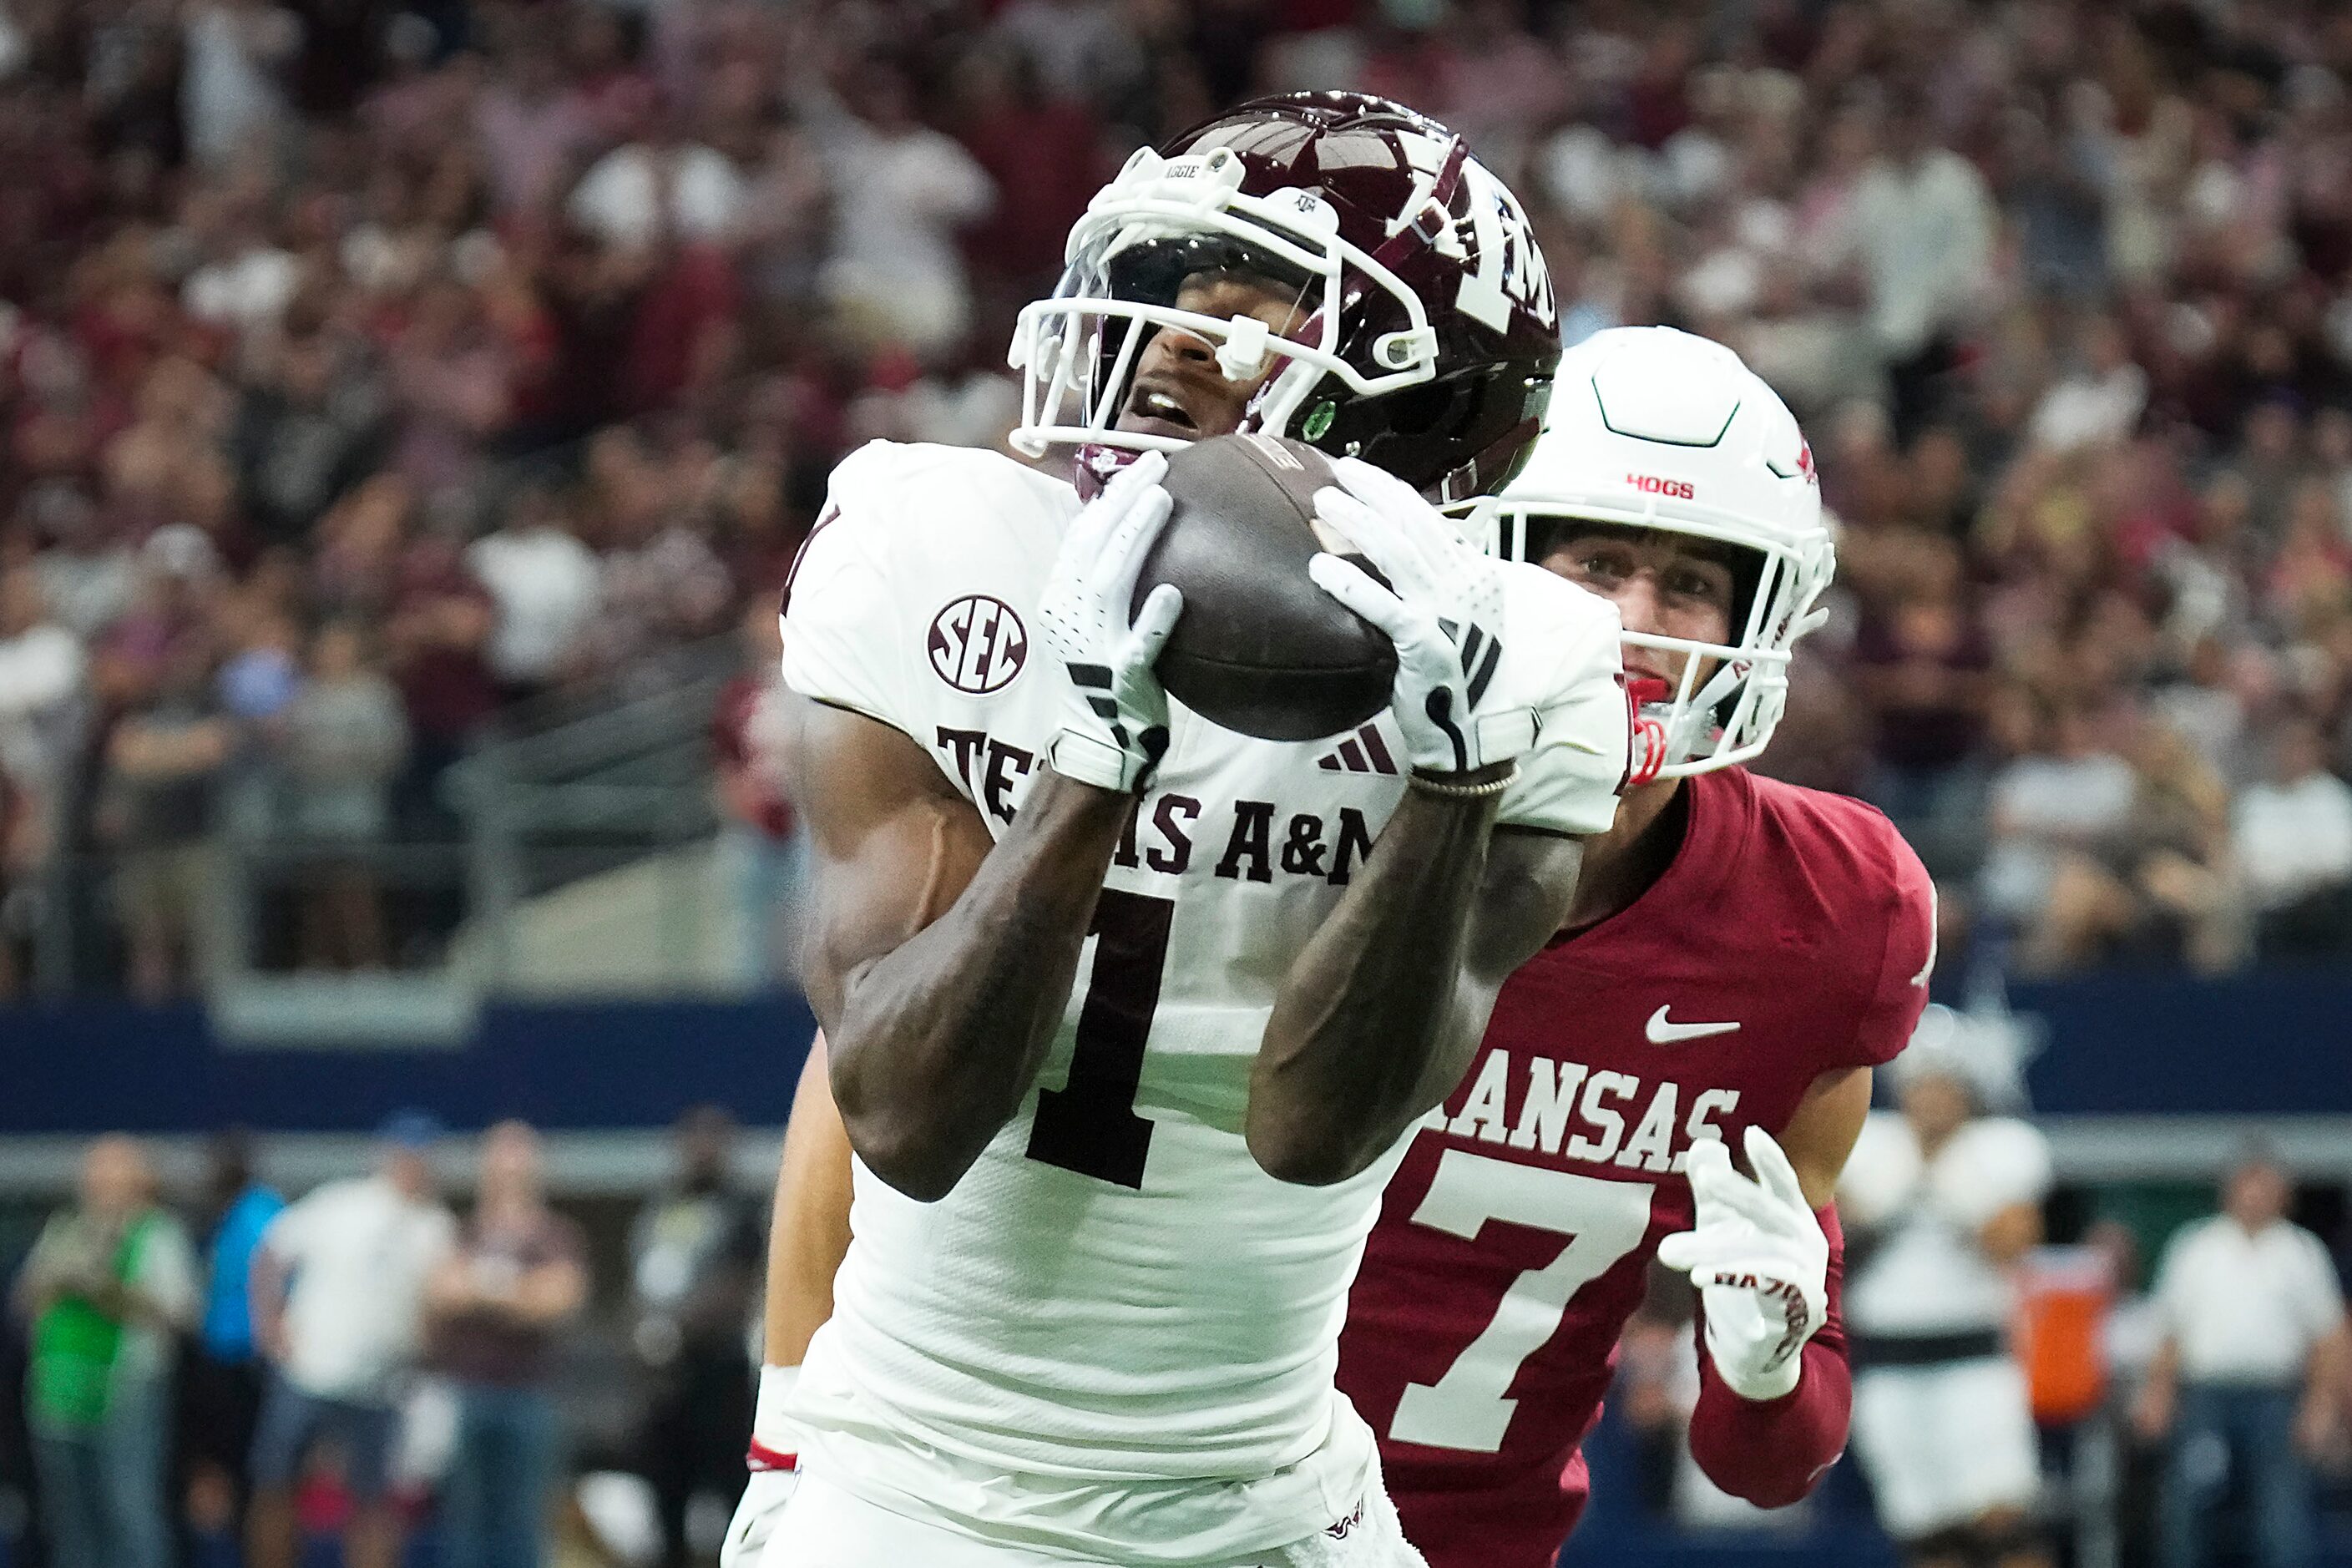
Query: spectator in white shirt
[(1922, 226), (2248, 1379), (2292, 837), (41, 670), (339, 1284), (2049, 809), (89, 574), (245, 279), (902, 190), (42, 677), (2100, 401), (230, 92), (1943, 1197), (545, 584), (659, 187)]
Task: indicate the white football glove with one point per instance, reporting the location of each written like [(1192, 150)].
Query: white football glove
[(1443, 609), (775, 1450), (1760, 1262), (1114, 717)]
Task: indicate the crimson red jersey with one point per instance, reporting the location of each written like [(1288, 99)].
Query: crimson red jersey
[(1791, 935)]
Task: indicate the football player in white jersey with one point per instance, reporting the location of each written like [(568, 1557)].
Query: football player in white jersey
[(1128, 1015)]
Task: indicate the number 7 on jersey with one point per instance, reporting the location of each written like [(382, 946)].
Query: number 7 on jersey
[(1469, 1407)]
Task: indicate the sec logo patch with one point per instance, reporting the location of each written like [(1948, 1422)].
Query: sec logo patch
[(978, 645)]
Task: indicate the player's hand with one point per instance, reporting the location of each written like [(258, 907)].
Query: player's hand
[(1114, 717), (755, 1517), (1442, 608), (1760, 1262)]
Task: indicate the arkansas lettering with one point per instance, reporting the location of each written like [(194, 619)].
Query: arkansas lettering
[(1599, 1118)]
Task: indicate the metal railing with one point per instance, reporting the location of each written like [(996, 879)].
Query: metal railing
[(591, 790), (569, 787)]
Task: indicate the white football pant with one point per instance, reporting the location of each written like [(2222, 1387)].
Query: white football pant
[(824, 1527), (1945, 1444)]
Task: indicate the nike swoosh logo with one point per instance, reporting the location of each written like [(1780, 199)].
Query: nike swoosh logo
[(1665, 1032)]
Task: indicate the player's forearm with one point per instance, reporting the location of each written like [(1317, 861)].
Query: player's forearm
[(936, 1043), (1375, 1020), (1773, 1452), (808, 1228)]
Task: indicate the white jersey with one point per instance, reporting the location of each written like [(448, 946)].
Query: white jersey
[(1116, 1327), (1924, 1271)]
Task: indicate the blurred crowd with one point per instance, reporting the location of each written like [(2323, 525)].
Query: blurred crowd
[(2029, 1389), (370, 367), (209, 1373), (429, 1358)]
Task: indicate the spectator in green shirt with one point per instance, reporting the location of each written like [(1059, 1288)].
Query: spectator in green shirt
[(108, 1285)]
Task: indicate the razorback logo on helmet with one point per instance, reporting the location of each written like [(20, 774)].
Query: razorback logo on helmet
[(1805, 461), (1651, 484), (1506, 268)]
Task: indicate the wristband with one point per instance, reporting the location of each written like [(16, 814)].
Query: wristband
[(1083, 758), (776, 1438), (1428, 783)]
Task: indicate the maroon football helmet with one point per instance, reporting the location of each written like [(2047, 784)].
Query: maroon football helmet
[(1425, 335)]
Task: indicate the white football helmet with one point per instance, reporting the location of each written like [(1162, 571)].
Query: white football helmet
[(1424, 332), (1651, 427)]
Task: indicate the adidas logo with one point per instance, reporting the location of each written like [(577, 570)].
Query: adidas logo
[(1361, 753)]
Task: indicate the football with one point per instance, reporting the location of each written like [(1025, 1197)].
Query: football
[(1260, 648)]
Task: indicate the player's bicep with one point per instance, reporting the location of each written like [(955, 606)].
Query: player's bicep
[(892, 846), (1530, 882), (1822, 1131)]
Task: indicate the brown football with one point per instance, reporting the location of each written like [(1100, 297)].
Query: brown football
[(1260, 648)]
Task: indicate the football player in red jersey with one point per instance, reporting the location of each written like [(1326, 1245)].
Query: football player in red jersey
[(1741, 955)]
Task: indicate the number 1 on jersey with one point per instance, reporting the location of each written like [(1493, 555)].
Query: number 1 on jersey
[(1469, 1407), (1089, 1125)]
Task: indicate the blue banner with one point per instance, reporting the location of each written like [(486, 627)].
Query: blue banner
[(2113, 1045)]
